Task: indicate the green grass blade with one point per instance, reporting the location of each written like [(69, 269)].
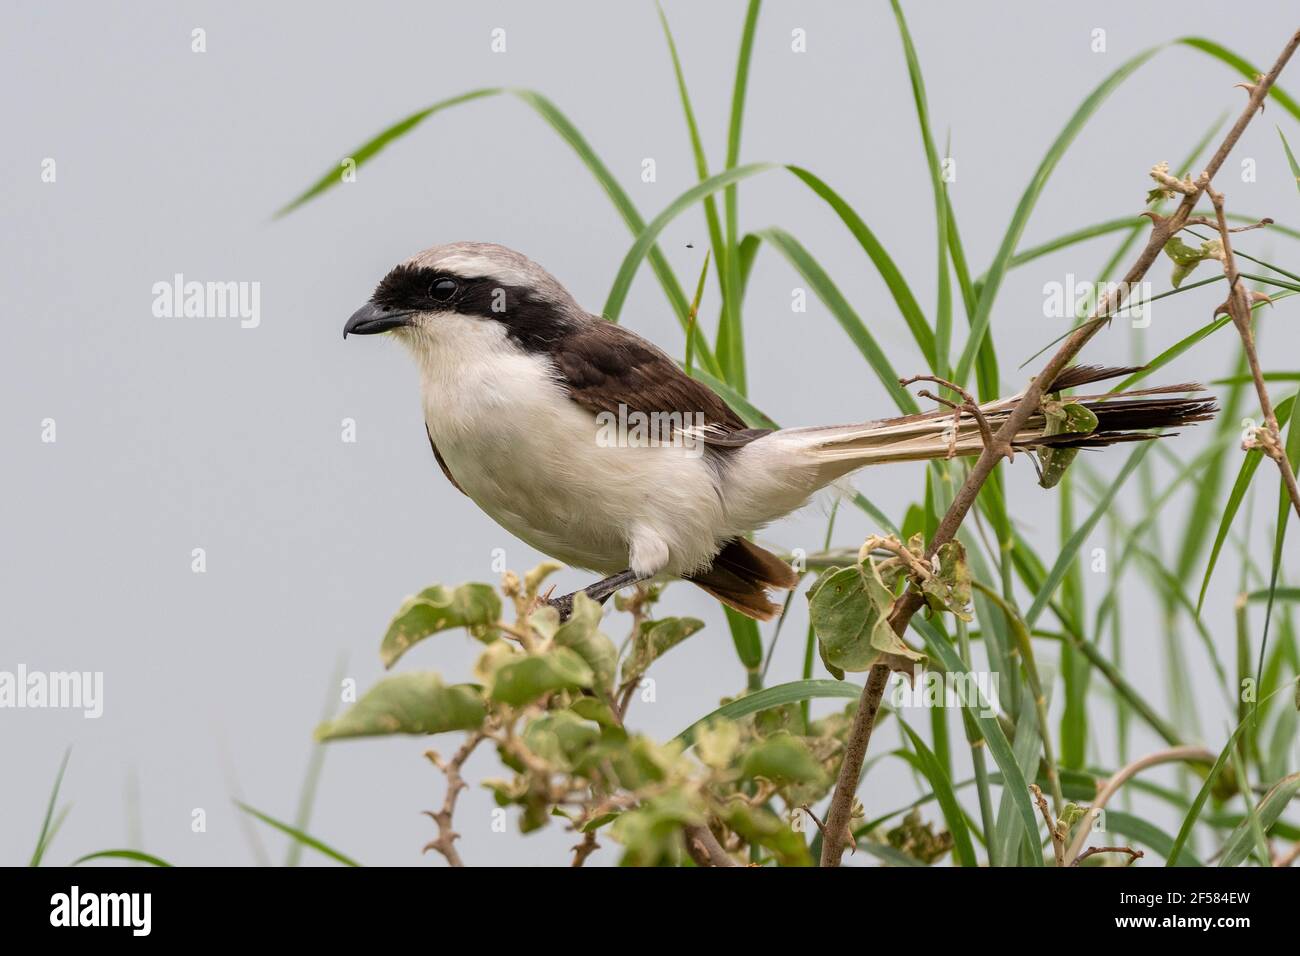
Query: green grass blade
[(849, 320), (1069, 551), (1074, 238), (711, 218), (1242, 66), (1198, 803), (134, 855), (730, 333), (1009, 832), (749, 645), (376, 144), (1292, 452), (999, 746), (695, 313), (1249, 465), (880, 258), (46, 834), (928, 764), (315, 763), (304, 838), (1185, 343), (561, 124), (1148, 834), (645, 240), (1242, 839), (1290, 157), (1281, 594), (943, 307), (996, 272), (778, 696)]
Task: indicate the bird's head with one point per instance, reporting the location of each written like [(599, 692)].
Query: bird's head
[(441, 292)]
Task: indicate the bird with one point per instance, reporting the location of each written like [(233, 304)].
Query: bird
[(592, 445)]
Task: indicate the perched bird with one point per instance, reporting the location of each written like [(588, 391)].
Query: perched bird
[(524, 390)]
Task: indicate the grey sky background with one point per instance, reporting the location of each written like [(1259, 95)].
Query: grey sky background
[(178, 433)]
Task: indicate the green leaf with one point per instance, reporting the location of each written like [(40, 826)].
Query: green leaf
[(1187, 258), (416, 703), (782, 759), (523, 679), (560, 738), (759, 826), (135, 855), (949, 589), (435, 609), (849, 609), (581, 633), (651, 834), (654, 639), (304, 838), (1063, 418), (769, 697)]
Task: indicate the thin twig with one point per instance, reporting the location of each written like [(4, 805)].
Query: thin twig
[(1094, 850), (446, 840), (1287, 858), (704, 847), (586, 848), (1268, 437), (971, 406), (1054, 826), (837, 818)]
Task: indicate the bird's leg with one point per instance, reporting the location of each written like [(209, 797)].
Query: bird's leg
[(598, 592)]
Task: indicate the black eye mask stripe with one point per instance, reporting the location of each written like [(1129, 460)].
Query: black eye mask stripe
[(533, 323)]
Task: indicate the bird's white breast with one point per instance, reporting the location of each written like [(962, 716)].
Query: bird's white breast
[(528, 455)]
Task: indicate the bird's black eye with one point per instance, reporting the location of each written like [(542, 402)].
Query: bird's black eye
[(443, 289)]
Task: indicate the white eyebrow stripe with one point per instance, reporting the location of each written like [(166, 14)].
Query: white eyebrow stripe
[(477, 267)]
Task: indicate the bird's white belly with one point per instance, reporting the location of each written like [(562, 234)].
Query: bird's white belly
[(529, 457)]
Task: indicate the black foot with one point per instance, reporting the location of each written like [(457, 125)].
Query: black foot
[(599, 592)]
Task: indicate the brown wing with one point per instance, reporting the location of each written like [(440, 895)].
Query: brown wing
[(605, 365)]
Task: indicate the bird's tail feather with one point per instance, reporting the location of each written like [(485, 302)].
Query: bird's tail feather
[(1120, 417), (740, 576)]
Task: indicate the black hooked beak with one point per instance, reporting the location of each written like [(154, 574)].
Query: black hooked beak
[(371, 319)]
